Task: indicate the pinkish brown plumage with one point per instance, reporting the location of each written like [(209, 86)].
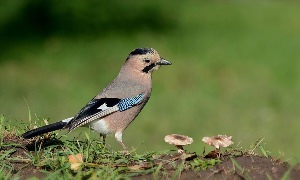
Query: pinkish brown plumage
[(118, 104)]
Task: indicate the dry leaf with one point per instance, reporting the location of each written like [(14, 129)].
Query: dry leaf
[(186, 156), (76, 161), (140, 166), (213, 154), (135, 167)]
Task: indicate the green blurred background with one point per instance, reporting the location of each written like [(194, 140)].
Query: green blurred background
[(235, 66)]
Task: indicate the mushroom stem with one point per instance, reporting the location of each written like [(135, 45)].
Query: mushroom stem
[(219, 152), (180, 149)]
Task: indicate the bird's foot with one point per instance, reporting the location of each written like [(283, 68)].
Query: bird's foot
[(124, 152)]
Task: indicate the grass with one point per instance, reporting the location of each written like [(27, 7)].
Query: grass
[(49, 156), (50, 153), (242, 172), (235, 65)]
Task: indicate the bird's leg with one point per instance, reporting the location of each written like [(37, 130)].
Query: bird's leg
[(125, 150), (118, 136), (103, 139), (123, 145)]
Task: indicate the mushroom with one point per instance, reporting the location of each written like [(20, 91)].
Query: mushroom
[(179, 141), (218, 141)]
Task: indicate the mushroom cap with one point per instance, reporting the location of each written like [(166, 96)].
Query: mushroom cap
[(178, 140), (217, 141)]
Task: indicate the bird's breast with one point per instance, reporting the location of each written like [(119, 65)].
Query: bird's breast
[(100, 126)]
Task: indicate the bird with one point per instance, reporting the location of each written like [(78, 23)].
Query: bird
[(119, 103)]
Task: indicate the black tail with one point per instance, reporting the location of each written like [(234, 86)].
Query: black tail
[(44, 129)]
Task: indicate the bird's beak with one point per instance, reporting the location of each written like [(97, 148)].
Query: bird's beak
[(164, 62)]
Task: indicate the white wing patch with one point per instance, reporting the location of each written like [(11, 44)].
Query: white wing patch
[(103, 107), (67, 120)]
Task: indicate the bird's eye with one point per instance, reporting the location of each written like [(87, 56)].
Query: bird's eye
[(146, 60)]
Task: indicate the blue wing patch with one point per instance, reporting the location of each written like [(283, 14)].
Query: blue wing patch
[(127, 103), (92, 112)]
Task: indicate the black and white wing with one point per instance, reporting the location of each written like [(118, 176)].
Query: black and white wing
[(99, 108)]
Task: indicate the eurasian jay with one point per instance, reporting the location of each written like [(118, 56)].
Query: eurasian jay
[(119, 103)]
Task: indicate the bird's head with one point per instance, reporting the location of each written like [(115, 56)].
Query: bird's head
[(146, 60)]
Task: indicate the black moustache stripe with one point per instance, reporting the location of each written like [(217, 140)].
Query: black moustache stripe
[(149, 67)]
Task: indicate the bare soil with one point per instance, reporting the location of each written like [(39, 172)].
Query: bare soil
[(244, 166)]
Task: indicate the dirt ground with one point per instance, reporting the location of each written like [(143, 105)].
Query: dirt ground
[(248, 167), (242, 167)]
